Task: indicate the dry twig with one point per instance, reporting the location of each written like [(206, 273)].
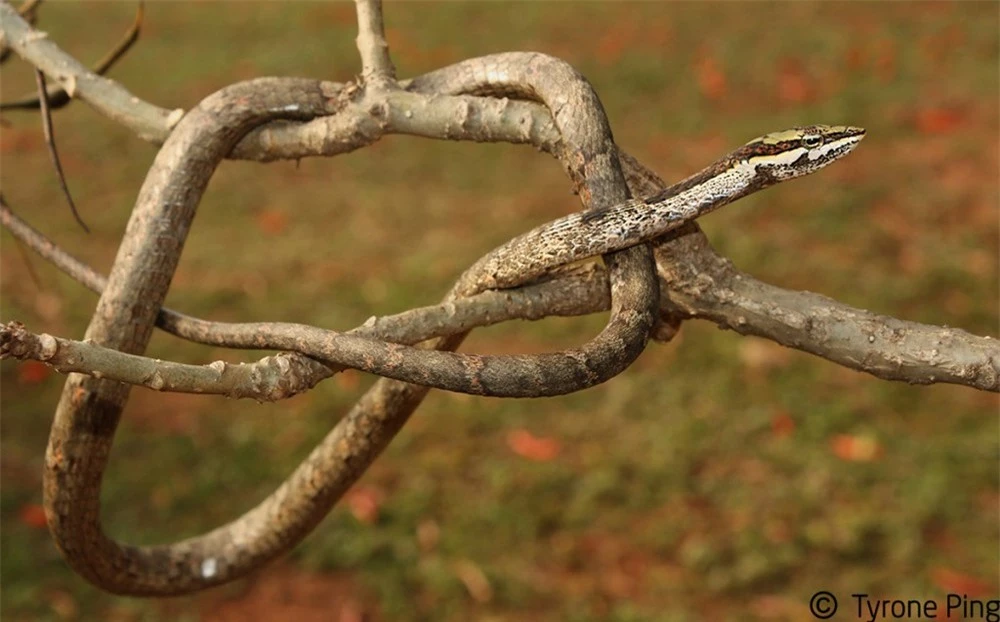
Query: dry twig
[(57, 97), (310, 118), (50, 142)]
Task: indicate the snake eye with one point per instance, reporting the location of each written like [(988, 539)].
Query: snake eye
[(812, 141)]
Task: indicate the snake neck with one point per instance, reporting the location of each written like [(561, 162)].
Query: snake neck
[(722, 183)]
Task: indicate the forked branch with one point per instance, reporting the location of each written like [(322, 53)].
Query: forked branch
[(242, 119), (57, 97)]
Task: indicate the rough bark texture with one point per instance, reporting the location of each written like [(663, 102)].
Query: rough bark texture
[(518, 97)]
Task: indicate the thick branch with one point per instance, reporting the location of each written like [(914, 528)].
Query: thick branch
[(360, 123), (959, 358), (86, 418), (882, 346), (28, 11), (270, 379), (92, 408)]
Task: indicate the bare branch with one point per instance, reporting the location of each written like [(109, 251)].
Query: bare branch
[(579, 292), (28, 11), (882, 346), (451, 117), (681, 261), (903, 351), (149, 122), (58, 97), (50, 142), (269, 379), (376, 66), (22, 250), (85, 420)]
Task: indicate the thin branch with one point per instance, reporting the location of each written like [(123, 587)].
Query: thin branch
[(49, 250), (57, 97), (21, 246), (376, 66), (112, 100), (682, 260), (73, 481), (267, 380), (364, 348), (581, 291), (50, 142)]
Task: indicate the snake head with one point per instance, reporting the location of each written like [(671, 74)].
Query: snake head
[(798, 151)]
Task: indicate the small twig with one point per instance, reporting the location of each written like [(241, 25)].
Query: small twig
[(29, 10), (106, 96), (28, 265), (57, 97), (50, 142), (684, 263), (71, 266), (376, 66), (23, 251)]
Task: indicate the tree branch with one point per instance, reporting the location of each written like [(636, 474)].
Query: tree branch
[(88, 413), (57, 97), (376, 66), (683, 260), (50, 142), (269, 379), (27, 10), (903, 351), (108, 97), (882, 346)]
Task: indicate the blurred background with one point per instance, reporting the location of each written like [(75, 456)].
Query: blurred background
[(720, 477)]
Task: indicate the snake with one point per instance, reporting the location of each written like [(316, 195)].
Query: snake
[(756, 165), (90, 408), (760, 163)]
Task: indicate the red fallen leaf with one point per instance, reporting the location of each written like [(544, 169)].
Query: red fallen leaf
[(855, 448), (526, 445), (955, 582), (885, 60), (272, 222), (938, 120), (32, 372), (782, 425), (63, 604), (364, 503), (428, 535), (794, 85), (21, 141), (475, 581), (711, 80), (352, 612), (855, 58), (613, 43), (33, 515)]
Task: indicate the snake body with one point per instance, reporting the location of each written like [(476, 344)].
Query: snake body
[(759, 164), (90, 408)]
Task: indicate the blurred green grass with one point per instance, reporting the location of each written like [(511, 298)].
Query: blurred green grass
[(706, 482)]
